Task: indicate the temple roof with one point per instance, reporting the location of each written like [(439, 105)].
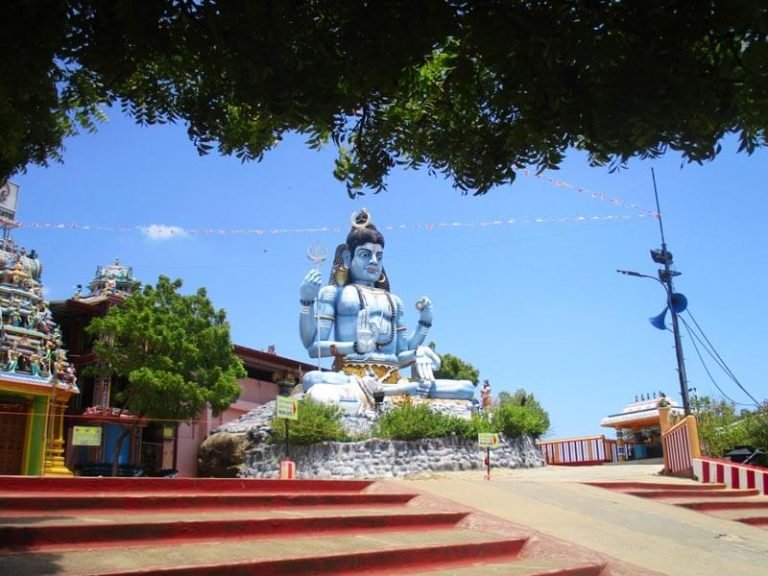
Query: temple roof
[(640, 411), (111, 280)]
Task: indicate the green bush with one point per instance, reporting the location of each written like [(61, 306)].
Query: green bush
[(756, 427), (410, 421), (514, 420), (316, 423), (720, 428)]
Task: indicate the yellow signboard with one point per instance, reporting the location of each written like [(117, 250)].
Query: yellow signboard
[(488, 440), (86, 436), (287, 407)]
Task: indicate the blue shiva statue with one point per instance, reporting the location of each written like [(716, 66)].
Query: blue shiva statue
[(360, 323)]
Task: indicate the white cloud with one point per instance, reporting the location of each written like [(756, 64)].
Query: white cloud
[(163, 232)]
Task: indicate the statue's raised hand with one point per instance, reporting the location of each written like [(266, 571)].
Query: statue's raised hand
[(310, 286), (424, 306), (366, 335)]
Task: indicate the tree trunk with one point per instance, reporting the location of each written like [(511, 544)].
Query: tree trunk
[(118, 446)]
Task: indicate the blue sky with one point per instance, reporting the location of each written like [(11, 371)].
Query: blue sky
[(525, 288)]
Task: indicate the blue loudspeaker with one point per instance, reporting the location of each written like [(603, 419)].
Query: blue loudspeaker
[(678, 302)]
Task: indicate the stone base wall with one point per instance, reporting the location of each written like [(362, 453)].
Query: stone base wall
[(388, 459)]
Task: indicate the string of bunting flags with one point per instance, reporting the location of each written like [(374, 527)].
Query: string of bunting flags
[(181, 231), (593, 195), (168, 231)]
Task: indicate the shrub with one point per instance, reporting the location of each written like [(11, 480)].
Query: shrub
[(410, 421), (514, 420), (519, 414), (720, 428), (316, 423)]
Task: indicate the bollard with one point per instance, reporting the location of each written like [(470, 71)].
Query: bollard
[(287, 470)]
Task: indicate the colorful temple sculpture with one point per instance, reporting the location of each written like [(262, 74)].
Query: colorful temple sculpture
[(359, 322), (638, 426), (36, 379)]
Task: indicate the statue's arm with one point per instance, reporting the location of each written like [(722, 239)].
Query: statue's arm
[(407, 345), (318, 333), (416, 339)]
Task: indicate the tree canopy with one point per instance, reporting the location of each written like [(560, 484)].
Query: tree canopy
[(454, 368), (472, 90), (173, 352)]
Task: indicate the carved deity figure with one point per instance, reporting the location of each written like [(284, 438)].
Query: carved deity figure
[(357, 320)]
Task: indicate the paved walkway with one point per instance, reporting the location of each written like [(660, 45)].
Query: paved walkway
[(647, 533)]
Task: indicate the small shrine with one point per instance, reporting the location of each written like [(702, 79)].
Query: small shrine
[(37, 380), (638, 429)]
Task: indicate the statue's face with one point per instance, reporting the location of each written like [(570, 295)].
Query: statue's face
[(366, 267)]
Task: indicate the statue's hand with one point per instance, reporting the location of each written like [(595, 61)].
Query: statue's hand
[(426, 362), (424, 306), (366, 337), (310, 286)]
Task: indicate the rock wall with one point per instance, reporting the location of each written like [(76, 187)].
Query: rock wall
[(388, 459)]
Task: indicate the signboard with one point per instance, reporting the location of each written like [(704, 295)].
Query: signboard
[(86, 436), (287, 407), (9, 196), (488, 440)]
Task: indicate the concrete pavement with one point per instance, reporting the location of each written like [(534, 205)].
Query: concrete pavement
[(647, 533)]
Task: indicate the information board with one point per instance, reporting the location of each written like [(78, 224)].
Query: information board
[(488, 440), (287, 407), (86, 436)]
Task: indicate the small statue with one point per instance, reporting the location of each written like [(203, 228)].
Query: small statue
[(485, 395), (34, 363), (13, 358)]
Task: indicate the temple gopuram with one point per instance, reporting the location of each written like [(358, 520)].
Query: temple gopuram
[(638, 428), (36, 379)]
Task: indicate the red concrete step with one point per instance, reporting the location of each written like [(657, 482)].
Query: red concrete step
[(520, 567), (90, 534), (695, 493), (388, 553), (726, 505), (32, 484), (754, 520), (115, 501), (655, 485)]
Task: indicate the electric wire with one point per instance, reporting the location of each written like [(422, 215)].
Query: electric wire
[(710, 349), (694, 337), (721, 362)]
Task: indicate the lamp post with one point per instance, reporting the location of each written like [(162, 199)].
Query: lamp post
[(675, 302)]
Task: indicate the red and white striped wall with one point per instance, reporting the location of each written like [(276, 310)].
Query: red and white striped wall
[(579, 451), (677, 449), (715, 471)]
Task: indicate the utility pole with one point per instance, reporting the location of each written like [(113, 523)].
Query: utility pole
[(666, 274)]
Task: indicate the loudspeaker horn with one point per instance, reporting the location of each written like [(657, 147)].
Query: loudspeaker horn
[(678, 302)]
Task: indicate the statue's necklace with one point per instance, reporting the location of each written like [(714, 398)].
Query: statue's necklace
[(364, 304)]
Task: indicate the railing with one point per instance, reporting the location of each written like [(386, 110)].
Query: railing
[(732, 474), (579, 451), (681, 445)]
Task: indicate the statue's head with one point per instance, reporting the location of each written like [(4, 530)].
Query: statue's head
[(361, 256)]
